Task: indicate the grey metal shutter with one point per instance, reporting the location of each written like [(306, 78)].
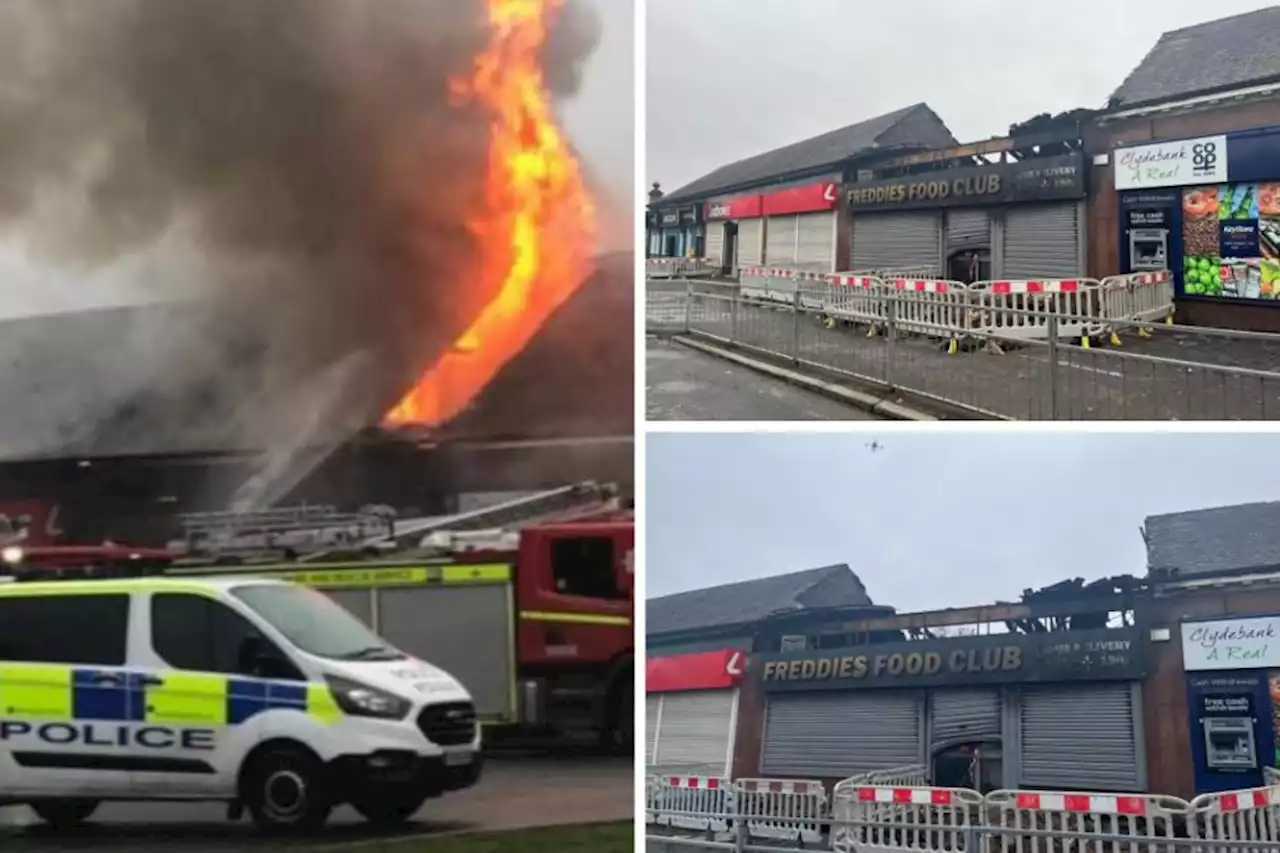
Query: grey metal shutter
[(652, 711), (780, 241), (960, 716), (841, 733), (715, 241), (1080, 737), (696, 732), (1041, 242), (750, 242), (967, 228), (896, 241), (815, 241)]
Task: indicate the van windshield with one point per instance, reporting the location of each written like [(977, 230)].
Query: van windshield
[(315, 623)]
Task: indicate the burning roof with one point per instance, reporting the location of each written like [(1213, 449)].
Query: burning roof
[(354, 199)]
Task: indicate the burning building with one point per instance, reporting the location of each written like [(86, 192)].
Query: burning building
[(331, 225)]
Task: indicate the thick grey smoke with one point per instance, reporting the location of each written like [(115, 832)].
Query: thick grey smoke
[(294, 170)]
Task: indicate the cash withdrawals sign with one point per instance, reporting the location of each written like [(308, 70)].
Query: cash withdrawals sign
[(1102, 655)]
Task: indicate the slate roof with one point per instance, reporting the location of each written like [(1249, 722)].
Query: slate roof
[(750, 601), (1221, 540), (1226, 53), (916, 126)]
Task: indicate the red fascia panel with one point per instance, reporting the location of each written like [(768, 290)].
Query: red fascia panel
[(718, 670)]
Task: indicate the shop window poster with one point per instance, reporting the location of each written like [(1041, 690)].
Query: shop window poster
[(1231, 241), (1273, 683)]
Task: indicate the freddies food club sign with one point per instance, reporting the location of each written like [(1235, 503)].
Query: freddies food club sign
[(1000, 659)]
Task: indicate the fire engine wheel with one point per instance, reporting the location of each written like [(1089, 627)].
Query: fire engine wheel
[(64, 814)]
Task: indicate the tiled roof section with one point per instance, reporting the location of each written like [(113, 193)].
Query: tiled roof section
[(1213, 541), (914, 126), (748, 601), (1229, 52)]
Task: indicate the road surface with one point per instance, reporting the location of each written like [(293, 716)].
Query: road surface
[(683, 384), (516, 791)]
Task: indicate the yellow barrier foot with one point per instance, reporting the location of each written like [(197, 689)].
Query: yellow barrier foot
[(994, 348), (1144, 333), (871, 331), (828, 322), (1115, 340), (953, 346), (1084, 341), (1168, 321)]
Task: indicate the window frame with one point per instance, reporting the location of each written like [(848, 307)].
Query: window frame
[(215, 606), (95, 637)]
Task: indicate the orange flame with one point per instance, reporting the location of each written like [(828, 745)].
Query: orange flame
[(537, 230)]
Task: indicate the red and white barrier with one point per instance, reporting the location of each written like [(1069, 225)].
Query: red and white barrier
[(1021, 309), (938, 307), (713, 796), (905, 818), (1142, 820), (1249, 815), (782, 808)]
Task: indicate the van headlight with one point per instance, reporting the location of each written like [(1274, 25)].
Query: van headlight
[(361, 700)]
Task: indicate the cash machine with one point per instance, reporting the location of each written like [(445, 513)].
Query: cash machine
[(1232, 733)]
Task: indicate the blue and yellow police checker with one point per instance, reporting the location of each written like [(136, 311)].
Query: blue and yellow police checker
[(263, 694)]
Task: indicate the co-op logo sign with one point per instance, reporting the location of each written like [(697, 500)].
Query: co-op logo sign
[(1172, 164)]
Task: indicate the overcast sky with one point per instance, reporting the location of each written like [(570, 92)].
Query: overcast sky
[(725, 83), (601, 120), (931, 520)]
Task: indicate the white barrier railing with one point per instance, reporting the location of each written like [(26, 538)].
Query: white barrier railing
[(1249, 815), (712, 796), (923, 819), (952, 310), (785, 809), (1141, 820), (904, 818), (1021, 309)]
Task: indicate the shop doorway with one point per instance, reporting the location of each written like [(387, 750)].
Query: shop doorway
[(671, 248), (699, 246), (969, 265), (978, 765), (729, 259)]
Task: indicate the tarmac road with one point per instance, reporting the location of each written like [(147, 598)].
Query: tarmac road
[(516, 791), (686, 385)]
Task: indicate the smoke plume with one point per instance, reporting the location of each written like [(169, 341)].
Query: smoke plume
[(293, 172)]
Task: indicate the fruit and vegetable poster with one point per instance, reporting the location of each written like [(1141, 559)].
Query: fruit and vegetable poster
[(1231, 241)]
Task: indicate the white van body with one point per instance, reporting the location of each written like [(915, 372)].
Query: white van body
[(251, 691)]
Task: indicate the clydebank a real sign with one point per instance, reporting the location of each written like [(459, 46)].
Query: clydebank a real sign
[(1103, 655)]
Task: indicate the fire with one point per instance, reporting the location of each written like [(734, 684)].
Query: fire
[(536, 232)]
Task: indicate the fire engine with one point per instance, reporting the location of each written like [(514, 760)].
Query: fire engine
[(528, 603)]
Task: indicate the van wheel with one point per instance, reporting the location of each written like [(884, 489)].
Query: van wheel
[(284, 790), (389, 809), (64, 814)]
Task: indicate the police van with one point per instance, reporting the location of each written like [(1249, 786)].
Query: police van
[(259, 693)]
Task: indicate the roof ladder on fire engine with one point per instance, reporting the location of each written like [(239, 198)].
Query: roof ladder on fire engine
[(506, 514)]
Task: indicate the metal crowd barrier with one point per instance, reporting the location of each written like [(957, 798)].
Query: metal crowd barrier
[(952, 310), (865, 816), (677, 267)]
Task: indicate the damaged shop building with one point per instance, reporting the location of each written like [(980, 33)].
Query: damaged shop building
[(782, 208), (1168, 683)]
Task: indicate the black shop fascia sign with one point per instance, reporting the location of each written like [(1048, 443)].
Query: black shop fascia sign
[(1039, 179), (669, 218), (1102, 655)]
